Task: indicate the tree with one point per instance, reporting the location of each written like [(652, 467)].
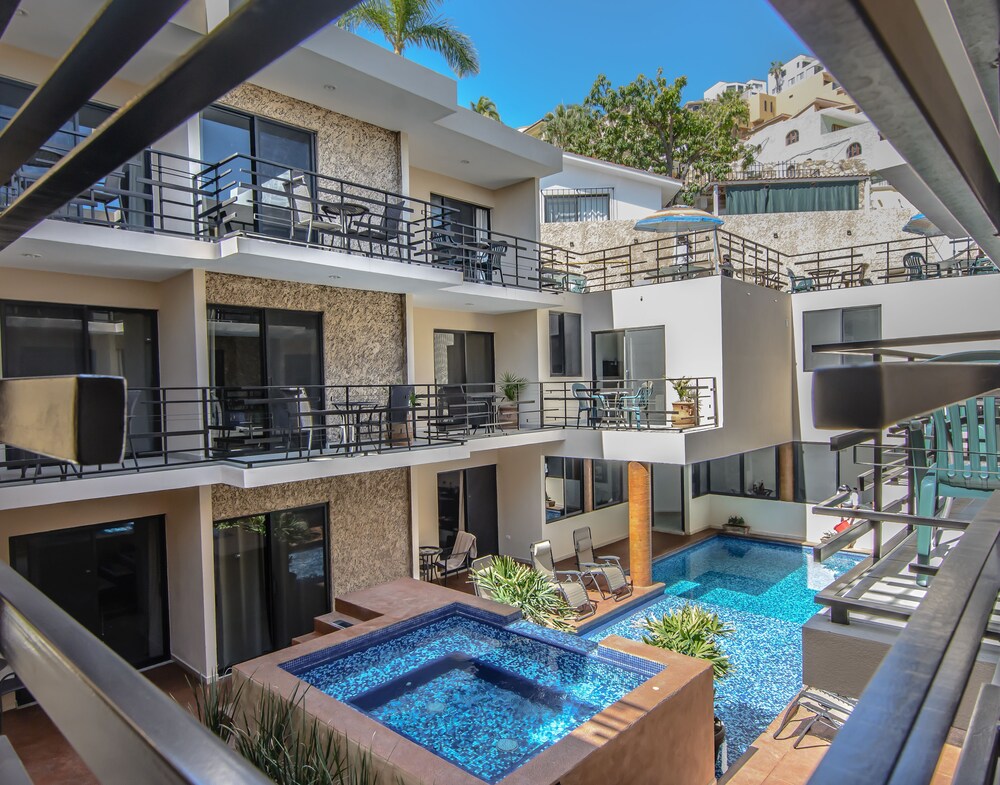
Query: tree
[(777, 70), (568, 126), (643, 124), (405, 22), (486, 107)]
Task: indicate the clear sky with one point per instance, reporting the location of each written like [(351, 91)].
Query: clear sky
[(535, 54)]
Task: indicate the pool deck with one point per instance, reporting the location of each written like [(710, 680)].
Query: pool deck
[(771, 761)]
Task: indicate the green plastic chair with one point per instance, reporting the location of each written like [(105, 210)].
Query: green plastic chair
[(964, 463), (634, 405), (799, 283)]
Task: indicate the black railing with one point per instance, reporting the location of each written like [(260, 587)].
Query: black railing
[(673, 404), (165, 193), (173, 427), (784, 170), (668, 258)]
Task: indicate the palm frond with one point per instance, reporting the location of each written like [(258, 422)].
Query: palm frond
[(441, 36)]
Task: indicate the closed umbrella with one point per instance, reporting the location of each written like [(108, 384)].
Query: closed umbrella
[(681, 219)]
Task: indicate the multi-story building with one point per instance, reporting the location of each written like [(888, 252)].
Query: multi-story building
[(748, 88), (345, 338), (796, 70)]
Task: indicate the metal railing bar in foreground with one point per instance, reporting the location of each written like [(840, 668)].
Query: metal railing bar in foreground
[(896, 732), (125, 729), (978, 760)]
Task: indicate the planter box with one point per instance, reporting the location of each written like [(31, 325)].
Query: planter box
[(685, 414)]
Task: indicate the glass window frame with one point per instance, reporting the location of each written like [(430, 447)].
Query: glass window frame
[(268, 560), (562, 477), (610, 465), (809, 362), (465, 383), (570, 357), (702, 485)]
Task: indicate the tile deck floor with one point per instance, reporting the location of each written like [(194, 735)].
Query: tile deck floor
[(773, 761)]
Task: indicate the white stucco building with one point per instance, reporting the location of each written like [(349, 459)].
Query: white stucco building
[(800, 67), (817, 133), (747, 88), (588, 189)]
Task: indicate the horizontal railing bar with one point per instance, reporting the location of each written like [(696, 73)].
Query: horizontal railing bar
[(124, 727)]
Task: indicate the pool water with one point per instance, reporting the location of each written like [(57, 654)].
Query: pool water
[(484, 697), (765, 591)]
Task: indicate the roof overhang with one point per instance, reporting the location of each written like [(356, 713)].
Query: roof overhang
[(922, 72)]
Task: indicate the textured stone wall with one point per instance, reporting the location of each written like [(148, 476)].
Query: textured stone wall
[(369, 515), (364, 333), (346, 148)]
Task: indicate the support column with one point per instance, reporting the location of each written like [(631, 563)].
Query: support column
[(640, 523), (786, 472)]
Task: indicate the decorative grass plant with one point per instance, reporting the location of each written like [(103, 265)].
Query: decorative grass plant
[(538, 599), (694, 631)]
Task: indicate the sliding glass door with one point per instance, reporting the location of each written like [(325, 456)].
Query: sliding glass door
[(48, 339), (111, 578), (270, 581), (464, 358), (467, 501), (624, 359)]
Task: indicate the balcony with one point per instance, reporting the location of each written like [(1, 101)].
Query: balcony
[(259, 427), (163, 193)]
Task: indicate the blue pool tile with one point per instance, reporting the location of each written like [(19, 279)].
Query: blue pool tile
[(766, 592)]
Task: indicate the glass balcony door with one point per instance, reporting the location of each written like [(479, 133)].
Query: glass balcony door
[(624, 359), (112, 578), (270, 580)]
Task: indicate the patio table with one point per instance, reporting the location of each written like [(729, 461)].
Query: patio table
[(351, 412), (346, 212)]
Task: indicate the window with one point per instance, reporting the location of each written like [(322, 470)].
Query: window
[(225, 133), (837, 325), (270, 580), (815, 473), (753, 474), (571, 206), (610, 483), (854, 150), (565, 344), (791, 137), (463, 358), (563, 488)]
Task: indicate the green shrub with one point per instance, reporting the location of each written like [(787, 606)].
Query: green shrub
[(538, 599), (693, 631)]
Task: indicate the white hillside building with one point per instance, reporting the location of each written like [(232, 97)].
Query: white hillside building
[(794, 71)]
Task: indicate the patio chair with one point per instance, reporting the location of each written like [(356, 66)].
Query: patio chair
[(586, 402), (827, 708), (293, 420), (9, 682), (634, 405), (385, 231), (618, 584), (400, 413), (462, 552), (918, 268), (493, 258), (569, 582), (477, 566), (799, 283), (304, 210)]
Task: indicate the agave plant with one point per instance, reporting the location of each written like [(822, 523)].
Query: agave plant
[(694, 631), (683, 389), (538, 599)]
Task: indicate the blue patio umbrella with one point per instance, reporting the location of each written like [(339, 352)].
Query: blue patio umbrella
[(921, 224), (681, 219)]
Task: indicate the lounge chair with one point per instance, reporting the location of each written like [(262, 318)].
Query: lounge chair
[(600, 569), (569, 582), (827, 708), (462, 552), (477, 566)]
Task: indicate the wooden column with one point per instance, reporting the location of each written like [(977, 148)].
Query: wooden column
[(786, 472), (588, 485), (640, 523)]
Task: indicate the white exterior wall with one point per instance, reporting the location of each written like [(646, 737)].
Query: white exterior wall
[(797, 69), (813, 142), (634, 195), (750, 87)]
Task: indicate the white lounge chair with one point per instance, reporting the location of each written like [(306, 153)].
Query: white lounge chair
[(827, 708), (569, 582), (462, 552)]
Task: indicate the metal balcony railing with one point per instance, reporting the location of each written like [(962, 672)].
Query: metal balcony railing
[(166, 193), (636, 404)]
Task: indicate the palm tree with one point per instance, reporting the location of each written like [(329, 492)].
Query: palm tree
[(567, 126), (485, 107), (777, 70), (405, 22)]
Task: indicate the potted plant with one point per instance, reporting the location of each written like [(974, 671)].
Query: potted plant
[(538, 598), (686, 406), (736, 525), (511, 385), (693, 631)]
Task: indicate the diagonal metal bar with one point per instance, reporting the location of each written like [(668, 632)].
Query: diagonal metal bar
[(257, 34), (120, 30), (877, 395), (7, 10)]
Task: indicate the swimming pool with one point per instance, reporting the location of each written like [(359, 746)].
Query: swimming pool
[(765, 591), (484, 697)]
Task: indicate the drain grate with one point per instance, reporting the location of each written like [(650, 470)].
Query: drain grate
[(435, 707), (507, 745)]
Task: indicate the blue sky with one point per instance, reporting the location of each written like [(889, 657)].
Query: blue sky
[(537, 53)]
